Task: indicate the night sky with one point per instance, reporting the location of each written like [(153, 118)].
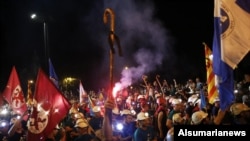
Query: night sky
[(163, 37)]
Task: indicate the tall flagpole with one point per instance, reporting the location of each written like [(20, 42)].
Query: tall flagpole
[(111, 39)]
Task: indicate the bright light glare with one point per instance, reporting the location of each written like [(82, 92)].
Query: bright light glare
[(211, 57), (119, 126), (236, 91), (3, 124), (133, 112), (4, 111), (56, 110), (33, 16)]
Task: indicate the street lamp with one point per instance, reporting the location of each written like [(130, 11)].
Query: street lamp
[(45, 35)]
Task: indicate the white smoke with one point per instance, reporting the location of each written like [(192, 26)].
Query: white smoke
[(143, 38)]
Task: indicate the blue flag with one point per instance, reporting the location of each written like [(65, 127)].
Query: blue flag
[(235, 30), (203, 99), (223, 71), (52, 74)]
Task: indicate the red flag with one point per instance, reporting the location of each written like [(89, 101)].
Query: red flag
[(49, 108), (13, 93)]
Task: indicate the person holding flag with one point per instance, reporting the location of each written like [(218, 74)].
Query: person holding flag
[(49, 108)]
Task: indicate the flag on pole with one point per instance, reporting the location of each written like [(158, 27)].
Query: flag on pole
[(234, 16), (91, 105), (49, 108), (223, 72), (211, 87), (203, 99), (13, 93), (82, 93), (52, 74)]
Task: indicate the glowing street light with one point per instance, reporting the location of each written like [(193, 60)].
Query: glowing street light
[(34, 16)]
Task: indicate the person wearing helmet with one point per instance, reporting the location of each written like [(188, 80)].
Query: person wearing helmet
[(200, 118), (97, 119), (215, 108), (241, 113), (82, 128), (177, 107), (160, 118), (144, 131), (128, 126), (69, 124), (177, 120)]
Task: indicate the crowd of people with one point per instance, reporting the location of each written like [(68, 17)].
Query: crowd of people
[(146, 114)]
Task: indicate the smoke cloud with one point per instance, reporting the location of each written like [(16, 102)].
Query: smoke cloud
[(144, 40)]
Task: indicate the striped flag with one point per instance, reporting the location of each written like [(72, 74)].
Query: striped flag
[(211, 87)]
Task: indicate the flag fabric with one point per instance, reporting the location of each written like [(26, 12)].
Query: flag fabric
[(82, 93), (203, 99), (49, 108), (52, 74), (13, 93), (223, 72), (212, 91), (235, 30), (91, 105)]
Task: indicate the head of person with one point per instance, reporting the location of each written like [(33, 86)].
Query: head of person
[(161, 101), (217, 102), (241, 113), (78, 115), (143, 119), (177, 104), (73, 110), (247, 77), (56, 130), (199, 117), (127, 116), (97, 111), (81, 126), (144, 106), (178, 119), (115, 113)]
